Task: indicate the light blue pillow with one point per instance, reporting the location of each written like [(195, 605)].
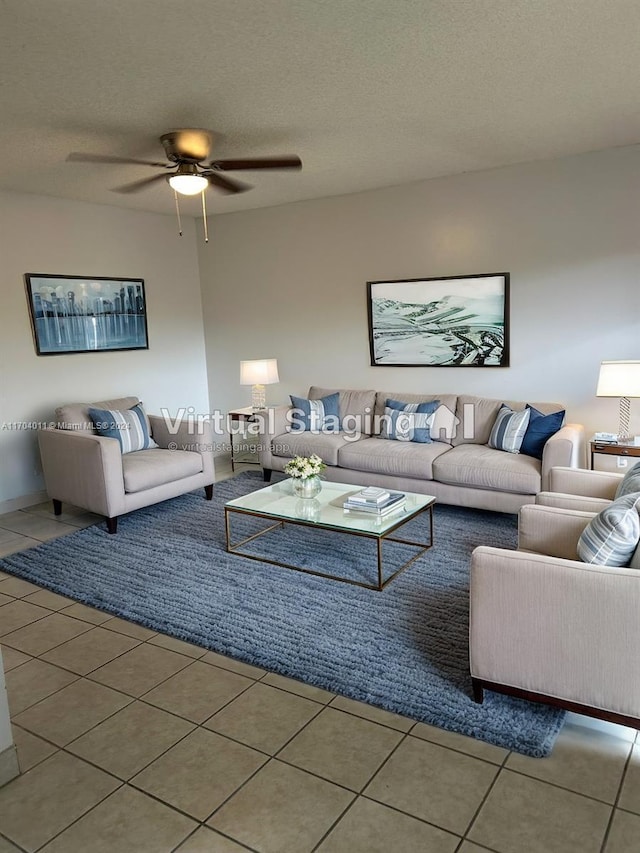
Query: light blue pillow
[(315, 415), (612, 536), (408, 421), (130, 427), (630, 483), (509, 429)]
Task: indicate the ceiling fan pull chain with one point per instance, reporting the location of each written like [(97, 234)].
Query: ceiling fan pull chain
[(178, 212), (204, 217)]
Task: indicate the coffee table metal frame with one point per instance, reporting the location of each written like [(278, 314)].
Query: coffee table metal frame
[(281, 521)]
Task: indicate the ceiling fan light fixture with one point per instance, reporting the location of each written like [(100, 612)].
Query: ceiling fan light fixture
[(189, 184)]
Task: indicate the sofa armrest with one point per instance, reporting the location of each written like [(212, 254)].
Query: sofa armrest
[(551, 530), (579, 502), (196, 437), (556, 627), (83, 470), (567, 447), (579, 481)]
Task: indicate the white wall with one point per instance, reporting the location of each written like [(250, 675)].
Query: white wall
[(46, 235), (289, 282)]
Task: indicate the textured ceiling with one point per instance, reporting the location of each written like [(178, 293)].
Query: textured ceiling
[(369, 93)]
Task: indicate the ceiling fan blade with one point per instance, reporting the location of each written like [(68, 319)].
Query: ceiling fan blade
[(136, 186), (291, 162), (79, 157), (225, 184)]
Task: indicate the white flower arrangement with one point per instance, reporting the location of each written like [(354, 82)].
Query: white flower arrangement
[(303, 467)]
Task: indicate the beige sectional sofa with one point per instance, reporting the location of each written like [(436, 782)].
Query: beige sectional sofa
[(457, 467)]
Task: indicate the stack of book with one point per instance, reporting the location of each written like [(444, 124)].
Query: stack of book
[(374, 500)]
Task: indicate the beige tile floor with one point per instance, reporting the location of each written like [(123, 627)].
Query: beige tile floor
[(133, 742)]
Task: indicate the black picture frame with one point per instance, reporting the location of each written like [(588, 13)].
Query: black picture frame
[(450, 321), (80, 314)]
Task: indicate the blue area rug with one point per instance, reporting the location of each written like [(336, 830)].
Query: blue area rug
[(404, 649)]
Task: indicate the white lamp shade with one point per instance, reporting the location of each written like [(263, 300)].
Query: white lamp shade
[(263, 371), (619, 379)]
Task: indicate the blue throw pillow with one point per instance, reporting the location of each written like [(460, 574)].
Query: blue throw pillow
[(408, 421), (130, 427), (315, 415), (508, 430), (541, 428)]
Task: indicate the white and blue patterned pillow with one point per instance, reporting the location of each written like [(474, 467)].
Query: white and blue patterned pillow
[(613, 535), (315, 415), (130, 427), (630, 483), (408, 421), (509, 429)]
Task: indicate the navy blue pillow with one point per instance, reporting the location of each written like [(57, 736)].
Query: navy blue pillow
[(541, 428)]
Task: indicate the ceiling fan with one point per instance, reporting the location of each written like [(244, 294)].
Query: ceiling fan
[(189, 170), (187, 150)]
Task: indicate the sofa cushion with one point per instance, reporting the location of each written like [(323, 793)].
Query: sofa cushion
[(408, 421), (145, 469), (443, 426), (630, 483), (398, 458), (612, 536), (75, 416), (476, 416), (356, 408), (508, 430), (541, 428), (482, 467), (129, 427), (315, 415), (325, 445)]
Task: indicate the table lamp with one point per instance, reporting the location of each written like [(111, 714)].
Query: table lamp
[(620, 379), (258, 373)]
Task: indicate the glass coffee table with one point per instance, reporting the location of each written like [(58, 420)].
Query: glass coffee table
[(278, 504)]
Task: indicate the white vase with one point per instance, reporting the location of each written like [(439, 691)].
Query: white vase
[(307, 488)]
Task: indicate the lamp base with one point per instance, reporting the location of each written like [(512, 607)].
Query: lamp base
[(258, 397)]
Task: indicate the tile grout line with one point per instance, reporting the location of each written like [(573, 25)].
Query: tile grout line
[(501, 768), (617, 799)]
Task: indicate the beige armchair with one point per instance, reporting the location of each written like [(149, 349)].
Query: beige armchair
[(549, 628), (89, 471)]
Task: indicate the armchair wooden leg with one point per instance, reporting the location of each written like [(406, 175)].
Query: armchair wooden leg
[(208, 492), (57, 507), (266, 474), (112, 525), (478, 691)]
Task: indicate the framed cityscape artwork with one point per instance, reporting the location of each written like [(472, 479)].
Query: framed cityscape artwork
[(457, 321), (72, 314)]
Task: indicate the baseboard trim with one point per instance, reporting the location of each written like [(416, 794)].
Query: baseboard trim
[(23, 501), (9, 767)]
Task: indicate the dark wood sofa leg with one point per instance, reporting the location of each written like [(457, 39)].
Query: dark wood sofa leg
[(208, 492), (478, 692), (266, 474), (112, 525), (57, 507)]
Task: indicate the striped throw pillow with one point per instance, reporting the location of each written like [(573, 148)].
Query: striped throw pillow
[(630, 483), (315, 415), (408, 421), (130, 427), (613, 535), (508, 431)]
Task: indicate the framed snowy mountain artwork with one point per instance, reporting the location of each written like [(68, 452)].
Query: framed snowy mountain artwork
[(457, 321)]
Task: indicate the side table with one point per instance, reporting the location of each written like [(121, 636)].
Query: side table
[(235, 417), (616, 448)]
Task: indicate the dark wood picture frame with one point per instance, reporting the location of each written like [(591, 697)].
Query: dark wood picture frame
[(79, 314), (451, 321)]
